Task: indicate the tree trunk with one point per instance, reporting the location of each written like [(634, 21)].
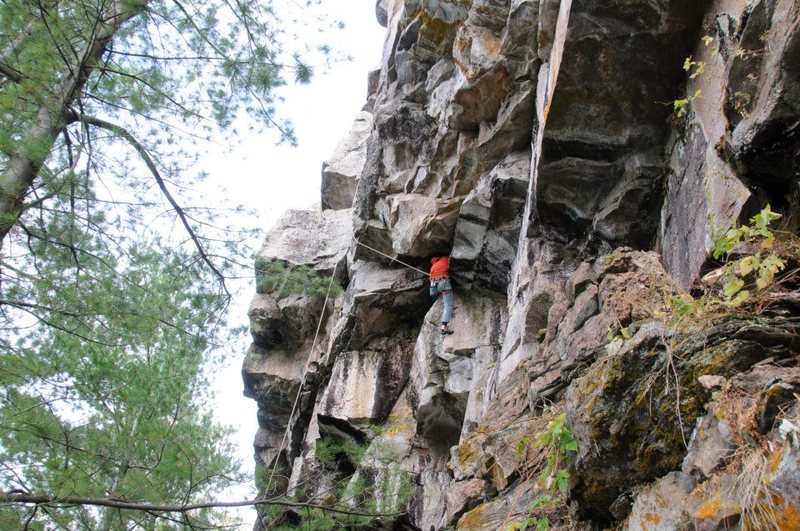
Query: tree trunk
[(24, 165)]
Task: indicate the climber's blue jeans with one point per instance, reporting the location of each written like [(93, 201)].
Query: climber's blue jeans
[(441, 286)]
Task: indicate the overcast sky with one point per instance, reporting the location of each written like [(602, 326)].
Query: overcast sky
[(274, 178), (271, 179)]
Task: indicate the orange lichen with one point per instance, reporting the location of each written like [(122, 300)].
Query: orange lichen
[(716, 507), (437, 30), (652, 518), (774, 460), (787, 515), (709, 508)]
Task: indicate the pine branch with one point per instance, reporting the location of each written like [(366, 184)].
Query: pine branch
[(148, 160), (108, 69), (11, 73), (45, 499), (24, 165)]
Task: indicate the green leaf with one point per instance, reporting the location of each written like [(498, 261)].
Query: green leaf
[(732, 287), (773, 263), (748, 264), (700, 68), (770, 267), (724, 244), (562, 481), (543, 524), (544, 500), (763, 219), (740, 298)]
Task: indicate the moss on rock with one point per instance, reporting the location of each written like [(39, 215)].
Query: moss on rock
[(633, 413)]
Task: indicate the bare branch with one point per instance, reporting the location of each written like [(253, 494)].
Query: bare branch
[(11, 73), (142, 151), (44, 499)]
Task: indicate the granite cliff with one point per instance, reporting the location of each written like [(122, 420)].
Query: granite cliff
[(577, 160)]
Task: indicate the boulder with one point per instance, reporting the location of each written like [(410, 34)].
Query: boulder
[(284, 323), (662, 505), (502, 512), (273, 378), (462, 496), (602, 144), (727, 481), (487, 231), (380, 302), (312, 247), (444, 367), (381, 13), (571, 325), (763, 101)]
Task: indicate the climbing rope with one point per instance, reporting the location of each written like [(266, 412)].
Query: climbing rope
[(305, 372), (314, 344), (390, 258)]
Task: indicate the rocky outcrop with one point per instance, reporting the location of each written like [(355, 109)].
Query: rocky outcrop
[(739, 145), (634, 414), (340, 174), (760, 492), (575, 160)]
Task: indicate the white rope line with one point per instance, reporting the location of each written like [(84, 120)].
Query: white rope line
[(314, 344), (305, 372), (390, 258)]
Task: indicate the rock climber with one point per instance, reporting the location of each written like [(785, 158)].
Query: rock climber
[(440, 283)]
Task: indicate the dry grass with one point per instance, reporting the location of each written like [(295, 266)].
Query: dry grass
[(752, 464), (740, 412), (752, 492)]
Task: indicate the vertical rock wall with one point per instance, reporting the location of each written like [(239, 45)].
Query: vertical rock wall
[(536, 142)]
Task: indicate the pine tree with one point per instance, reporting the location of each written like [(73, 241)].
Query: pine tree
[(79, 75), (108, 317), (108, 399)]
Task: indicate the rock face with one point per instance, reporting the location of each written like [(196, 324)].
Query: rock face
[(340, 174), (575, 159)]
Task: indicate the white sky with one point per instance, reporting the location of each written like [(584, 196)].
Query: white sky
[(271, 179)]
